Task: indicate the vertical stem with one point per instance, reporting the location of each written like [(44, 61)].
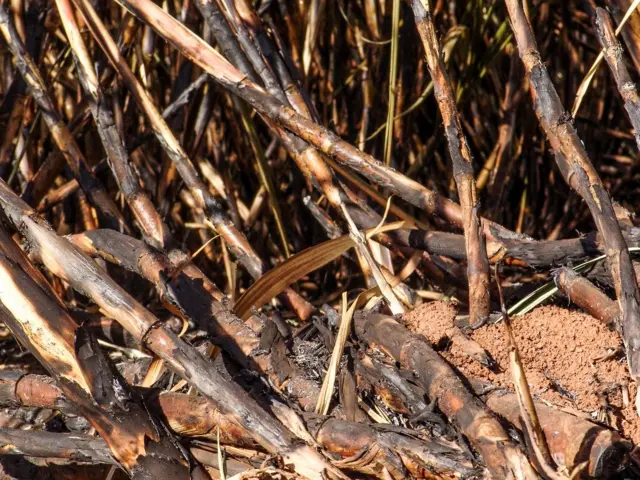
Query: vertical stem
[(477, 262)]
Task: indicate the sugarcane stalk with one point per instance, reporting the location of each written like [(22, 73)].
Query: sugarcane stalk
[(502, 457), (65, 142), (477, 262), (140, 204), (323, 140), (613, 54), (586, 295), (580, 174), (234, 238), (82, 273), (41, 324), (360, 447), (181, 289)]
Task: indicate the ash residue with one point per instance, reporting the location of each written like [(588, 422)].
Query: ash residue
[(312, 358)]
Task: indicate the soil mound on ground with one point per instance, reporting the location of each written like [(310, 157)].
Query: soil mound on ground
[(568, 357)]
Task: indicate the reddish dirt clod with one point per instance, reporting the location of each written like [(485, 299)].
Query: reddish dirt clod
[(557, 346)]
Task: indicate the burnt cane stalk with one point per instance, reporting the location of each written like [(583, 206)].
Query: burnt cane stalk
[(578, 171), (572, 440), (63, 138), (42, 325), (613, 55), (202, 54), (240, 48), (532, 253), (77, 269), (477, 263), (586, 295), (144, 211), (234, 238), (72, 446), (184, 292), (432, 373), (364, 448)]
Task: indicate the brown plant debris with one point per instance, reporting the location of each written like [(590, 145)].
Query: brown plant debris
[(214, 264)]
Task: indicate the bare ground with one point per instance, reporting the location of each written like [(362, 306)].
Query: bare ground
[(566, 355)]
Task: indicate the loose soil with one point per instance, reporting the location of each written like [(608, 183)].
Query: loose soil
[(560, 350)]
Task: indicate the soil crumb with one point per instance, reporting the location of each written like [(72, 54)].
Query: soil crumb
[(568, 357)]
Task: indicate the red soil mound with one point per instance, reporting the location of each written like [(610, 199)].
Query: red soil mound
[(560, 350)]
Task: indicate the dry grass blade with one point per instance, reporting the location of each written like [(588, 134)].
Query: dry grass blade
[(221, 463), (296, 267), (314, 16), (265, 177), (393, 77), (286, 273), (326, 393), (528, 412)]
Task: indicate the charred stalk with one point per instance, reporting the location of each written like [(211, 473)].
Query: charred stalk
[(477, 263)]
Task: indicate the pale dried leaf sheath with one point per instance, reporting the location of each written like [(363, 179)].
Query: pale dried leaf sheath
[(578, 171), (63, 138), (528, 413), (477, 263), (327, 142)]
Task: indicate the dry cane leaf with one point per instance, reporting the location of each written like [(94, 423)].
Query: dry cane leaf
[(297, 266)]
